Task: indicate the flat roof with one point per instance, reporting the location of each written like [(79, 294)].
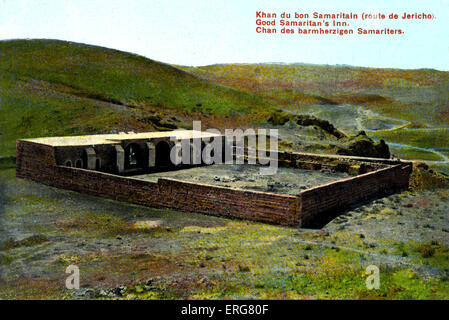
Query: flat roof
[(115, 138)]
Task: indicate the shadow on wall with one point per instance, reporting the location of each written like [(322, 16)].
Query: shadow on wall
[(321, 220), (163, 154)]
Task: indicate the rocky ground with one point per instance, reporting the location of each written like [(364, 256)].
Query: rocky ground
[(286, 180), (130, 251), (127, 251)]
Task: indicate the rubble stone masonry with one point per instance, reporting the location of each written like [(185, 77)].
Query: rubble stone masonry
[(310, 208)]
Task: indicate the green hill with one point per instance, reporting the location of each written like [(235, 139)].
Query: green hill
[(56, 88), (51, 87), (384, 102), (414, 95)]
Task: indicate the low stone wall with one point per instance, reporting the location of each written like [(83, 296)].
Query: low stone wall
[(295, 156), (312, 207), (320, 204), (315, 161), (34, 161), (214, 200), (235, 203)]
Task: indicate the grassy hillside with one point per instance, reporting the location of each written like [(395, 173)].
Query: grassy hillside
[(414, 95), (50, 87), (431, 144), (437, 138), (409, 109)]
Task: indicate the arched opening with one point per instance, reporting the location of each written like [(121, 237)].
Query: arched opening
[(84, 159), (79, 163), (68, 163), (162, 154), (133, 156)]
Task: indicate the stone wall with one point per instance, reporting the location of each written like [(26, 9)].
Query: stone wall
[(37, 163), (227, 202), (311, 208), (320, 204)]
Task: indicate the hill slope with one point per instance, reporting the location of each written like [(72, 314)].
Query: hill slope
[(386, 103), (51, 87), (414, 95)]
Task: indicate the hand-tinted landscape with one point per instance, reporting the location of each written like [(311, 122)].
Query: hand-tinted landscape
[(58, 88)]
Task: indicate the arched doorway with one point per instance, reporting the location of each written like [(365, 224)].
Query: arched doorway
[(84, 159), (163, 154), (133, 156)]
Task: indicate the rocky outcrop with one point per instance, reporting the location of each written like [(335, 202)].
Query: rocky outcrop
[(362, 146), (280, 118)]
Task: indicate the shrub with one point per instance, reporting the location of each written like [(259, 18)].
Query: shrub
[(426, 251)]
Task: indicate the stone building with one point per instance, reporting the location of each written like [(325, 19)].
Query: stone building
[(101, 165), (121, 153)]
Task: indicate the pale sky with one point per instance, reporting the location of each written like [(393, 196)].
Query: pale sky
[(202, 32)]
